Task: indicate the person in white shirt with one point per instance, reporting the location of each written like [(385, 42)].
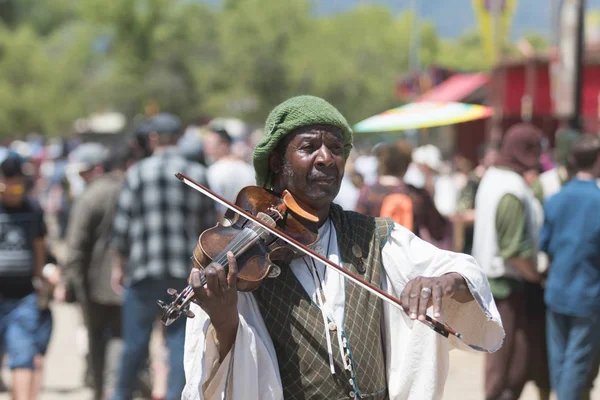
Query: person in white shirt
[(310, 334), (227, 174)]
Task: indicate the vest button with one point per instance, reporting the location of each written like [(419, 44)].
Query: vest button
[(352, 394), (332, 326), (361, 268)]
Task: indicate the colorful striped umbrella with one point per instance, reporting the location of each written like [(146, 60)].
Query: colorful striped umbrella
[(423, 115)]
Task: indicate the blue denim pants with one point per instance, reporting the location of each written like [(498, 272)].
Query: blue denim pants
[(573, 351), (139, 311), (19, 320)]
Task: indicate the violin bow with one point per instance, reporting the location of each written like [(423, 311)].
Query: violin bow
[(437, 326)]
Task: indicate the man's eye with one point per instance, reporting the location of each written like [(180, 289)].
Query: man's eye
[(336, 148)]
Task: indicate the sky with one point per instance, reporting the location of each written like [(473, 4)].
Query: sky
[(455, 17)]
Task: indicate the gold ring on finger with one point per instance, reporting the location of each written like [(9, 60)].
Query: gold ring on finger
[(425, 292), (413, 295)]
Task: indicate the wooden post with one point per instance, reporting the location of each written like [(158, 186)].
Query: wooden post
[(576, 119), (568, 67)]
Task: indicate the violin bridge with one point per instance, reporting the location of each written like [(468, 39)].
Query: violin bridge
[(280, 216)]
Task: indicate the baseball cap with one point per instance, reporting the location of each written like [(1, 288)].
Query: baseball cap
[(165, 123), (88, 155)]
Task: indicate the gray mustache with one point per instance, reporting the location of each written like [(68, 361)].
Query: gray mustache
[(319, 176)]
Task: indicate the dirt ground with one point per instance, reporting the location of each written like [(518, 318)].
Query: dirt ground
[(63, 375)]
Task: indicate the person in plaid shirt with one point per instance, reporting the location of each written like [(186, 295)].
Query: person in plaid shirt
[(156, 227)]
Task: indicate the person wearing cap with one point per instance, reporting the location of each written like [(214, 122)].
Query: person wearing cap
[(22, 257), (88, 265), (307, 333), (155, 229), (505, 245), (85, 165), (87, 160)]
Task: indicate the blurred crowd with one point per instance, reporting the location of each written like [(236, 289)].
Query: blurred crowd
[(110, 228)]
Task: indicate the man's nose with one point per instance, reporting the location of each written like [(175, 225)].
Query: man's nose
[(324, 157)]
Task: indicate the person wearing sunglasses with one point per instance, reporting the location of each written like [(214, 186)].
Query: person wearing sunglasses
[(22, 256)]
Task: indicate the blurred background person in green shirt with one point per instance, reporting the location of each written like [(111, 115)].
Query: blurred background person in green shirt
[(507, 221)]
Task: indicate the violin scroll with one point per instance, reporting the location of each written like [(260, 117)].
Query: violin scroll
[(181, 305)]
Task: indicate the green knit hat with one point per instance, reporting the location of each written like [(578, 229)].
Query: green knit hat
[(290, 115)]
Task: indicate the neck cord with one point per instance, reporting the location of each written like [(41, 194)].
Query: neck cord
[(320, 297), (314, 265)]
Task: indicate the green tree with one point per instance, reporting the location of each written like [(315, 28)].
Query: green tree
[(156, 50), (254, 38), (63, 59), (463, 54), (37, 94), (353, 59), (43, 15)]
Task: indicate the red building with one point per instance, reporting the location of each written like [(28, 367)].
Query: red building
[(518, 90), (515, 83)]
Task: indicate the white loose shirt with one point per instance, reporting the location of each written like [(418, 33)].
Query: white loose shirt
[(416, 357), (227, 177)]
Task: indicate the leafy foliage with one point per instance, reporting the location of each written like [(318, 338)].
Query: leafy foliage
[(63, 59)]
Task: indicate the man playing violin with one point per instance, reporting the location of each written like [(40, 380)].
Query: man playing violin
[(308, 333)]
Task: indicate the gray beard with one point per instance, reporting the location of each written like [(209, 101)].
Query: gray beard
[(287, 172)]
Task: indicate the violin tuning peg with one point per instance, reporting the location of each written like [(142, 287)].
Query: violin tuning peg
[(189, 314), (172, 292)]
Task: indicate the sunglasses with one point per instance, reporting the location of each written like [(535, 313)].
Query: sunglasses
[(13, 189)]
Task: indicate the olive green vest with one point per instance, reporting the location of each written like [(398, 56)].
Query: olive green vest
[(296, 326)]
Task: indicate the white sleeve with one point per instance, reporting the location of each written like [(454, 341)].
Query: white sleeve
[(250, 370), (405, 257), (417, 359)]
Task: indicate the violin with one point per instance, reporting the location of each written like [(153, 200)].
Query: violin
[(265, 231), (258, 253)]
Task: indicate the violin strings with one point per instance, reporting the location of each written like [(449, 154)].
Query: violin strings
[(240, 239), (236, 245)]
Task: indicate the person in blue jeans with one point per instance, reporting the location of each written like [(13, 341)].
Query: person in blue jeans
[(22, 255), (571, 238), (155, 230)]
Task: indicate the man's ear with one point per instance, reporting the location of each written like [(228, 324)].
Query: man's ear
[(275, 162)]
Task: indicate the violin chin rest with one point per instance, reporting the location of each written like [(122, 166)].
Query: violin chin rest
[(301, 210)]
